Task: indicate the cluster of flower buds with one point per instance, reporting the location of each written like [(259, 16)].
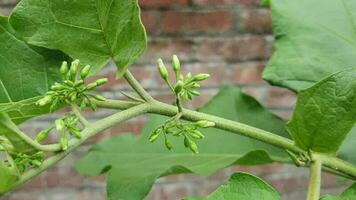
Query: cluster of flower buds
[(185, 86), (25, 161), (66, 126), (73, 88), (189, 131)]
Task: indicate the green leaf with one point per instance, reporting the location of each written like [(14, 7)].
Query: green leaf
[(243, 186), (23, 110), (26, 72), (325, 113), (94, 31), (348, 148), (312, 43), (134, 163), (8, 176), (348, 194)]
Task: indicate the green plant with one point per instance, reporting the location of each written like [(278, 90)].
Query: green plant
[(41, 37)]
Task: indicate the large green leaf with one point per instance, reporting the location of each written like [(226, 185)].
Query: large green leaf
[(311, 43), (8, 176), (134, 164), (325, 113), (348, 147), (26, 72), (94, 31), (243, 186), (348, 194)]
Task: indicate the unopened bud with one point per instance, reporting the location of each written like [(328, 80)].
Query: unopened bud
[(195, 93), (74, 69), (168, 144), (154, 135), (64, 69), (43, 135), (179, 87), (60, 126), (204, 124), (162, 69), (85, 72), (45, 100), (99, 98), (101, 81), (78, 83), (196, 134), (176, 65), (201, 77)]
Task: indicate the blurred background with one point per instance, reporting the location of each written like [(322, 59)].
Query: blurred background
[(231, 40)]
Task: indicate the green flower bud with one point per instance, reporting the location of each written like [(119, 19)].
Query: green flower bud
[(64, 69), (196, 134), (57, 86), (204, 124), (179, 87), (101, 81), (176, 65), (73, 96), (2, 148), (193, 147), (91, 86), (195, 93), (43, 135), (168, 144), (45, 100), (189, 75), (60, 125), (162, 69), (36, 163), (154, 135), (64, 141), (75, 131), (186, 142), (85, 72), (69, 83), (78, 83), (74, 69), (99, 98), (201, 77)]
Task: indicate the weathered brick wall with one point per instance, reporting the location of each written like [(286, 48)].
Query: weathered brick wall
[(231, 40)]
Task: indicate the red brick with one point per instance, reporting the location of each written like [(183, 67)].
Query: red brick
[(248, 48), (149, 20), (162, 3), (234, 49), (227, 2), (257, 21), (248, 73), (165, 49), (193, 22)]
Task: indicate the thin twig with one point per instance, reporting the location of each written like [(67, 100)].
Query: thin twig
[(137, 87), (79, 115)]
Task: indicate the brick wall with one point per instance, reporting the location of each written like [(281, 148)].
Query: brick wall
[(231, 40)]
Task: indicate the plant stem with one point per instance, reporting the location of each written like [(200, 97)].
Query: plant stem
[(314, 179), (115, 104), (228, 125), (89, 131), (137, 87), (79, 115), (331, 162)]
